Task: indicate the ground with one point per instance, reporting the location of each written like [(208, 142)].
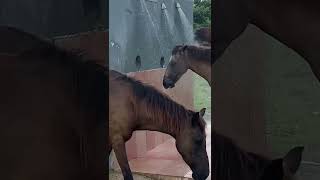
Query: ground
[(113, 175)]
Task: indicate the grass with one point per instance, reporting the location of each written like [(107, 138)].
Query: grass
[(202, 94)]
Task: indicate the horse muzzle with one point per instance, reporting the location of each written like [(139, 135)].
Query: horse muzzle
[(200, 173), (199, 177), (167, 83)]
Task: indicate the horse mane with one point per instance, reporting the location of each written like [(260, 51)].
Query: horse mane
[(160, 107), (201, 53), (89, 79), (232, 163)]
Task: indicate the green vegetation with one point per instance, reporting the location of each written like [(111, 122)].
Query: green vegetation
[(201, 13), (202, 93), (201, 89)]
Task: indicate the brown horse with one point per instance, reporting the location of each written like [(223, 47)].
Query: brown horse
[(195, 58), (135, 106), (232, 163), (52, 111), (295, 23), (203, 36)]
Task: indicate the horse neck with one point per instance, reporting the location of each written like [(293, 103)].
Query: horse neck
[(150, 121), (200, 67), (285, 21)]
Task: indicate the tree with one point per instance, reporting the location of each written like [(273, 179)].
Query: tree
[(201, 13)]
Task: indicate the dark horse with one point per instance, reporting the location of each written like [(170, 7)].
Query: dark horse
[(136, 106), (52, 111), (232, 163), (203, 36), (295, 23)]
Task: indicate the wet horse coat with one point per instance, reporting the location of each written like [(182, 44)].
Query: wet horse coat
[(52, 111)]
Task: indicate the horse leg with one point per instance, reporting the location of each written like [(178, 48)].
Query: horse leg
[(121, 155)]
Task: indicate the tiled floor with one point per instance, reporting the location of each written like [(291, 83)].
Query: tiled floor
[(166, 161)]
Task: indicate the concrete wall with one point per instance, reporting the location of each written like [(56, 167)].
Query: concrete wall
[(140, 28)]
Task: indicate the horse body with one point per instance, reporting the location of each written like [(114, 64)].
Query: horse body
[(203, 36), (135, 106), (232, 163), (294, 23), (50, 129), (195, 58)]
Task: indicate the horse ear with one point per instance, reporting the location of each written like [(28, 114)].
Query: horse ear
[(292, 160), (202, 112), (195, 118)]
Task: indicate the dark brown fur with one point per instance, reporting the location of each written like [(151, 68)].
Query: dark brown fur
[(201, 53), (203, 36), (160, 107)]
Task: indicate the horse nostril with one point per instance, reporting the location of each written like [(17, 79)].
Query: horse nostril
[(166, 83)]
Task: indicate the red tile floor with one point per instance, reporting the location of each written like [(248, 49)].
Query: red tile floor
[(164, 160)]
